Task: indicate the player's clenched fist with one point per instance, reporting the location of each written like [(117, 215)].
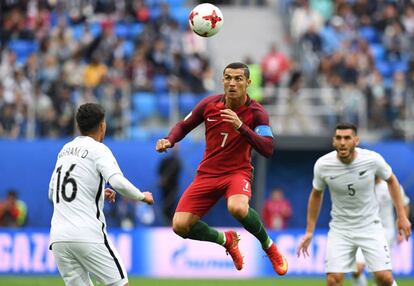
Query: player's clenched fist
[(148, 198), (110, 195), (162, 145)]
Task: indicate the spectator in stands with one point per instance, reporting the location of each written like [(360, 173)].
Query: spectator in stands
[(169, 170), (377, 97), (197, 65), (95, 72), (276, 210), (275, 64), (396, 42), (158, 57), (65, 109), (408, 19), (12, 210), (255, 90), (9, 122), (74, 71), (302, 18), (295, 119), (312, 39), (140, 72)]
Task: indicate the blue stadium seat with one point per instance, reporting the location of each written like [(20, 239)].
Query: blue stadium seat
[(121, 30), (181, 15), (144, 106), (135, 30), (153, 3), (187, 101), (368, 33), (96, 29), (176, 3), (384, 68), (155, 12), (159, 83), (163, 104), (128, 47), (378, 51), (77, 31), (400, 66), (23, 48)]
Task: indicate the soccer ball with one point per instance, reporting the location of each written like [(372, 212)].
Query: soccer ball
[(205, 20)]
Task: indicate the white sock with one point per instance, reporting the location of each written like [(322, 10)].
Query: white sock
[(224, 239), (269, 243), (361, 280)]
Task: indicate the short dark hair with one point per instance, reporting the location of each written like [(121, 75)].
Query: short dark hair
[(346, 125), (89, 116), (239, 65)]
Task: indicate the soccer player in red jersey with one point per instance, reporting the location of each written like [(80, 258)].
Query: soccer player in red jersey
[(234, 125)]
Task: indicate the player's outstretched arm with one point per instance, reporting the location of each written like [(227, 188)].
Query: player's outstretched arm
[(128, 190), (314, 207), (162, 145), (182, 128), (403, 224)]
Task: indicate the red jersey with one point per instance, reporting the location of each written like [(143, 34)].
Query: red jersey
[(227, 150)]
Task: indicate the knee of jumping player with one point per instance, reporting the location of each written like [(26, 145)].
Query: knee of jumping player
[(239, 211), (181, 228)]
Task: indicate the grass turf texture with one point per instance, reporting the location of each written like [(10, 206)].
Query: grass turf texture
[(56, 281)]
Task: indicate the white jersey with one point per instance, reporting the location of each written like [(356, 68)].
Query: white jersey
[(77, 191), (386, 211), (351, 187)]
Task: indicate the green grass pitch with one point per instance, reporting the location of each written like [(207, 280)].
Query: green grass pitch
[(56, 281)]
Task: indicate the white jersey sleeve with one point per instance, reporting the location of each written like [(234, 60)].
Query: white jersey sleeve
[(318, 183), (106, 163), (383, 170)]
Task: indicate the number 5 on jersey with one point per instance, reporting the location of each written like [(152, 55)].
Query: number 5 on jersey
[(351, 190), (66, 180)]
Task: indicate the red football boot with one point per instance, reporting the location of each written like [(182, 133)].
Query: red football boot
[(232, 248), (278, 261)]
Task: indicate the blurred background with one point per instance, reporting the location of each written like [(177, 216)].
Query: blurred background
[(313, 63)]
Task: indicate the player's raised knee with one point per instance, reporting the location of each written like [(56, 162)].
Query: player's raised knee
[(181, 228), (238, 211)]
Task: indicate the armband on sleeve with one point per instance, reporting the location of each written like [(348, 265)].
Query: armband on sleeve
[(264, 130)]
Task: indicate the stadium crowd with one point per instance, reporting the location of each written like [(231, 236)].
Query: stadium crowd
[(132, 55), (357, 45), (55, 55)]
